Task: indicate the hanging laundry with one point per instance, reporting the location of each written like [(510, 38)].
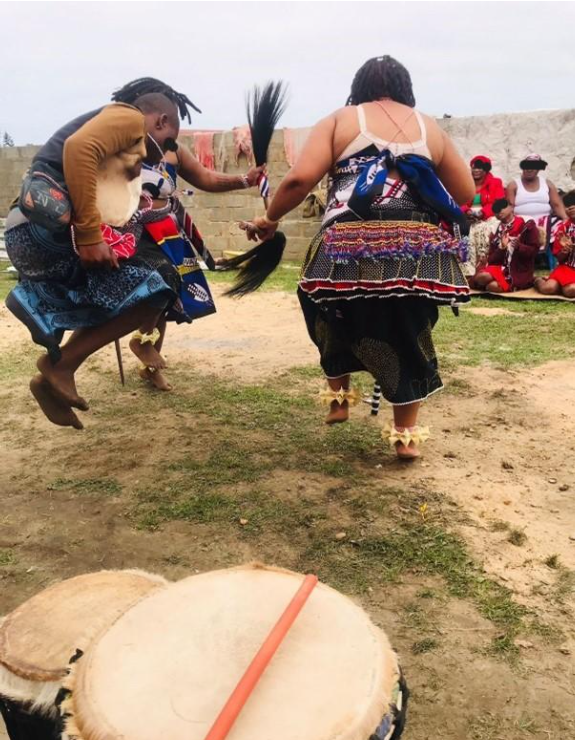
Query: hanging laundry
[(243, 143)]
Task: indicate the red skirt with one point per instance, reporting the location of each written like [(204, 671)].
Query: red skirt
[(496, 272), (564, 275)]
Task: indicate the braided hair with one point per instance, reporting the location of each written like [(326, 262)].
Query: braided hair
[(131, 91), (381, 77)]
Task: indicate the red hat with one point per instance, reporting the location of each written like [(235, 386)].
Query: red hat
[(480, 158), (481, 162)]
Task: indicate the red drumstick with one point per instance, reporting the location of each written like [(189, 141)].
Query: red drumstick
[(234, 705)]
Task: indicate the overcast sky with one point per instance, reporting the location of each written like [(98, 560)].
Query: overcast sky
[(58, 60)]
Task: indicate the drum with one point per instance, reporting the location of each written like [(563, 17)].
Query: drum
[(40, 637), (118, 190), (168, 665)]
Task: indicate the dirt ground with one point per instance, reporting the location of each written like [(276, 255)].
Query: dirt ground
[(501, 454)]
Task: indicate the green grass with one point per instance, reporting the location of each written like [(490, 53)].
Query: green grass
[(7, 557), (517, 537), (87, 486), (284, 278), (552, 562), (424, 646), (7, 281), (530, 334)]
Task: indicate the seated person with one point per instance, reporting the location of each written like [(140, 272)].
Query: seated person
[(534, 196), (479, 213), (512, 252), (562, 279), (487, 190)]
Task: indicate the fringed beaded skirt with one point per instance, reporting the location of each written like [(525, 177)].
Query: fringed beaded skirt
[(370, 293)]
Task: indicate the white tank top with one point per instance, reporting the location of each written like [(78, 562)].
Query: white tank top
[(532, 205), (365, 138)]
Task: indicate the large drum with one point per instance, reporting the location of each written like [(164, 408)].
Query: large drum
[(39, 638), (166, 667), (118, 188)]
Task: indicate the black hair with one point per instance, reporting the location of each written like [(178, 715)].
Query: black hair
[(500, 204), (382, 77), (479, 164), (569, 199), (135, 89)]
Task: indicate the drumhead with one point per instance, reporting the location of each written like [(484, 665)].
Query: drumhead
[(38, 638), (168, 665), (117, 194)]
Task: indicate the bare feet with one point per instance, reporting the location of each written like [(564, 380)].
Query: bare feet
[(148, 354), (406, 452), (62, 382), (54, 408), (338, 413), (156, 378)]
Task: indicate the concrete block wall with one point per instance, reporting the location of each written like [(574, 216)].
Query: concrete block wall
[(217, 214), (505, 137), (14, 162)]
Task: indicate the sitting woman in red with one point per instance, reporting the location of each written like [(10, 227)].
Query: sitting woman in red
[(488, 189), (562, 279), (512, 252)]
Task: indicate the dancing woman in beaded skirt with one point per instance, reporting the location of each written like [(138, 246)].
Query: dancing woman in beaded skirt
[(390, 245)]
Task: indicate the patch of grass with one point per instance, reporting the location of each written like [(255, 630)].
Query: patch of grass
[(424, 550), (87, 486), (7, 557), (16, 365), (228, 463), (499, 526), (552, 562), (550, 633), (285, 277), (458, 387), (426, 593), (490, 726), (565, 585), (424, 646), (517, 537), (541, 331), (503, 646), (7, 280)]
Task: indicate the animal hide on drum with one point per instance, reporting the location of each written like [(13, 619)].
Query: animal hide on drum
[(119, 188)]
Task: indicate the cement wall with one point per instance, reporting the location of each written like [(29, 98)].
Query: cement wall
[(506, 138)]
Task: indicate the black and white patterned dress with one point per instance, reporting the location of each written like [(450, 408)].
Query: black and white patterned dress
[(370, 288)]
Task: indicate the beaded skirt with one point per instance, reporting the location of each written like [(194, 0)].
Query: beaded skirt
[(385, 259)]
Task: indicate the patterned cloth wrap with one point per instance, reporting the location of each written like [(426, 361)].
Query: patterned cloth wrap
[(56, 294), (173, 231), (122, 244)]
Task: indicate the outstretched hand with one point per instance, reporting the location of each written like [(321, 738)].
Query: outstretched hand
[(260, 228)]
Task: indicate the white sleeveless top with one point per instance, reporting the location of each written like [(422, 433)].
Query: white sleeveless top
[(532, 205), (365, 138)]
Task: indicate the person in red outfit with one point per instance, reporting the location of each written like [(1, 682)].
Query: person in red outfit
[(488, 189), (562, 280), (512, 252)]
